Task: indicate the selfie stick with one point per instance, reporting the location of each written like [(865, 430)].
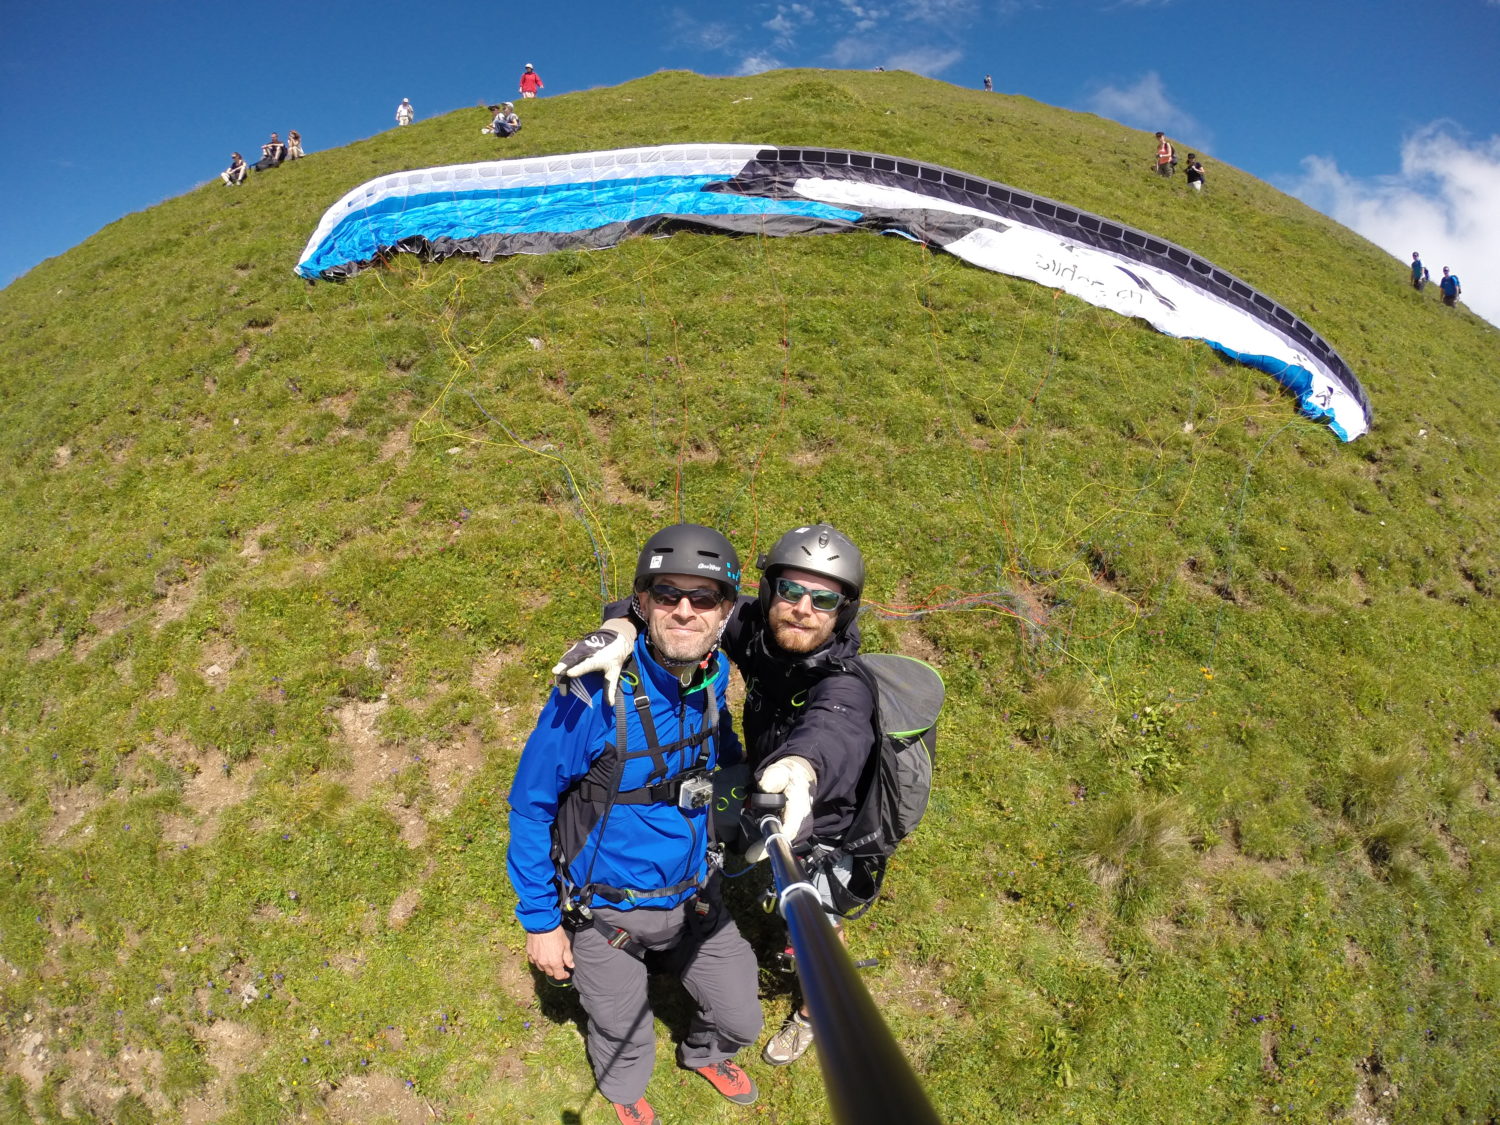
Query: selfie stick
[(868, 1080)]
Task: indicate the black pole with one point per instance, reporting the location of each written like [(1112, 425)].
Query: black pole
[(868, 1080)]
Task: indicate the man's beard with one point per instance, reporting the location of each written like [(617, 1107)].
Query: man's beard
[(672, 649), (798, 641)]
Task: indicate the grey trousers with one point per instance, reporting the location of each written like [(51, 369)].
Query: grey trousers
[(718, 972)]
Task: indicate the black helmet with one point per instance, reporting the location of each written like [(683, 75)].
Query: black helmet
[(689, 548), (818, 549)]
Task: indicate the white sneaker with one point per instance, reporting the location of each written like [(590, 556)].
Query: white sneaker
[(790, 1043)]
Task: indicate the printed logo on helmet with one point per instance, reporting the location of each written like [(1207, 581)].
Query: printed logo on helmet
[(655, 562)]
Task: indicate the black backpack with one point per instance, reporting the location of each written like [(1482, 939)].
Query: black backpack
[(895, 788)]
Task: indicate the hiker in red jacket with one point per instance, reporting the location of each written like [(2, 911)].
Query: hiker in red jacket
[(531, 82)]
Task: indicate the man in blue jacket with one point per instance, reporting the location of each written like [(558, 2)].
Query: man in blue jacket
[(808, 718), (610, 825), (1450, 288)]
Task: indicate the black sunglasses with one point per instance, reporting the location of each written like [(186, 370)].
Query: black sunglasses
[(669, 596), (826, 600)]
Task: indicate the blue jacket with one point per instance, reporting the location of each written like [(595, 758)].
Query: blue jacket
[(641, 846), (803, 704)]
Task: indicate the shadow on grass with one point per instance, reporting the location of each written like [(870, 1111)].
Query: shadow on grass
[(558, 1002)]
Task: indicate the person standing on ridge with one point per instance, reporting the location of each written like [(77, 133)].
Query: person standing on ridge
[(808, 717), (1418, 272), (610, 832), (531, 82), (989, 84), (1450, 287), (405, 114), (1194, 172), (1166, 156)]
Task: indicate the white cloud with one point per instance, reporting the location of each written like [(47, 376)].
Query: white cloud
[(855, 50), (1445, 203), (924, 60), (757, 64), (943, 12), (1147, 106), (708, 36), (924, 36), (788, 20), (864, 17)]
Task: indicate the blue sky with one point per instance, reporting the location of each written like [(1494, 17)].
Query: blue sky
[(1385, 114)]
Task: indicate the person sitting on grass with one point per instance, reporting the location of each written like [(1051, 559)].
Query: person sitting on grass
[(236, 172), (272, 153), (505, 122), (294, 145)]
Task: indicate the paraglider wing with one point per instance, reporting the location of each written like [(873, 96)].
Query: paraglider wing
[(539, 205)]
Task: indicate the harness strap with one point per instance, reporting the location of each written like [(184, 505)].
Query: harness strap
[(619, 939), (664, 792), (698, 912), (653, 744), (630, 894), (847, 900)]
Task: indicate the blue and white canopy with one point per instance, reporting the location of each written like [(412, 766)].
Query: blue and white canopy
[(591, 200)]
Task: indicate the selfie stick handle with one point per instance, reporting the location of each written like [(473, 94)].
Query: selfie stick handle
[(868, 1080)]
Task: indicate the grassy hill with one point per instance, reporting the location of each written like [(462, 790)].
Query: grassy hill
[(1215, 833)]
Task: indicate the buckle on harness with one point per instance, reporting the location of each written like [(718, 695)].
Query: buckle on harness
[(577, 917), (620, 938)]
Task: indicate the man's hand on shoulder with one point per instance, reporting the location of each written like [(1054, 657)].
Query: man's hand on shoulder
[(551, 952), (604, 650)]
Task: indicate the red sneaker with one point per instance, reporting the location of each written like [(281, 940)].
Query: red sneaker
[(640, 1113), (730, 1081)]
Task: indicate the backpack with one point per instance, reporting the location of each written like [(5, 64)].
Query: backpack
[(896, 786)]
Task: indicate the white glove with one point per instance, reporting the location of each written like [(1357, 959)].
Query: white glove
[(795, 779), (604, 650)]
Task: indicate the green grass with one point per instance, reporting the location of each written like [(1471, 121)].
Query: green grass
[(1214, 834)]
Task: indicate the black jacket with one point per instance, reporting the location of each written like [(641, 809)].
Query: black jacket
[(807, 706)]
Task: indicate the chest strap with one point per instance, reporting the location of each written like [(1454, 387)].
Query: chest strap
[(663, 792)]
